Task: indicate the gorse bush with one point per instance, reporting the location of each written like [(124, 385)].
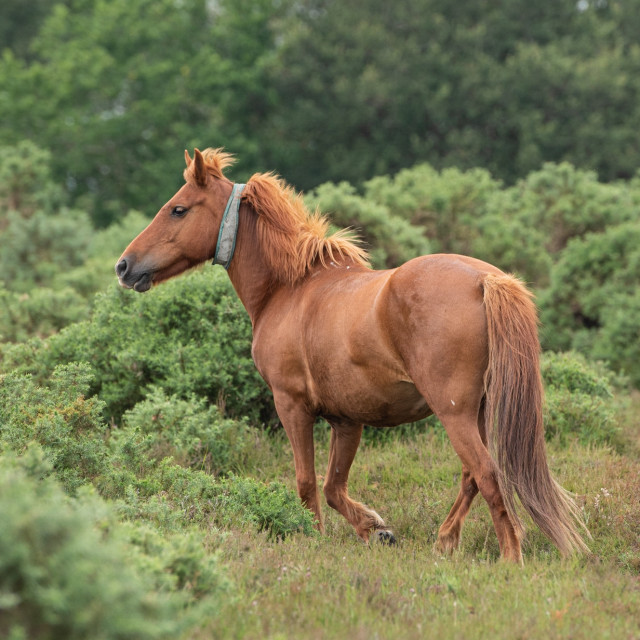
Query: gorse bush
[(157, 467), (189, 337), (445, 206), (198, 498), (189, 431), (591, 302), (41, 312), (59, 417), (579, 400), (390, 239), (65, 574)]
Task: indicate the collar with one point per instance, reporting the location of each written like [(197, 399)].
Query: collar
[(229, 228)]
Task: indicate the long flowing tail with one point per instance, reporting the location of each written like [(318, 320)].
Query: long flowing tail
[(513, 415)]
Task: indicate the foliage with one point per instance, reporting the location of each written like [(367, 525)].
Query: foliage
[(527, 226), (40, 236), (447, 206), (51, 259), (193, 434), (26, 184), (131, 464), (132, 477), (591, 301), (40, 312), (317, 89), (579, 400), (103, 88), (65, 569), (200, 345), (390, 239), (59, 417), (271, 508), (454, 85)]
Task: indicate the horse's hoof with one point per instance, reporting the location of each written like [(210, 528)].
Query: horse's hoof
[(384, 536)]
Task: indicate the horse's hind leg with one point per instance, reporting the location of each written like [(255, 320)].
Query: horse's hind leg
[(345, 438), (465, 437), (449, 534)]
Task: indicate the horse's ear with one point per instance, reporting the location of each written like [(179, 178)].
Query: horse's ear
[(187, 157), (200, 172)]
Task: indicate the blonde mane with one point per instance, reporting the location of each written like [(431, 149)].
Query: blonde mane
[(291, 237)]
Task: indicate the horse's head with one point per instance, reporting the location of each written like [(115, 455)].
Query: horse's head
[(183, 233)]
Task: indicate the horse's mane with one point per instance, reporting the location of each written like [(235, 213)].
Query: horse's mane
[(291, 237), (216, 160)]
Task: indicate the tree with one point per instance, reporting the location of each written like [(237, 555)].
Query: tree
[(369, 87), (118, 88), (592, 302)]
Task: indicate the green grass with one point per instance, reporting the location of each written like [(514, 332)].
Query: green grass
[(221, 552), (334, 586)]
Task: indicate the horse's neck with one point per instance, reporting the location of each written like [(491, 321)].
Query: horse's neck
[(248, 271)]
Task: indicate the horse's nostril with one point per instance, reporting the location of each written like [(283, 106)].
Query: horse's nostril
[(121, 268)]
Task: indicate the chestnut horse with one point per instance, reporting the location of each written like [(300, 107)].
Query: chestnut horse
[(443, 334)]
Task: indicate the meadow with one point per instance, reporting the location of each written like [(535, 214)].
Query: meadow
[(146, 488), (167, 517)]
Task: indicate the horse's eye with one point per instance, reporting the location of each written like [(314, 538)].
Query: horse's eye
[(179, 211)]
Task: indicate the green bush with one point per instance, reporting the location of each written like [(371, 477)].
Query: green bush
[(68, 425), (272, 508), (130, 464), (446, 205), (194, 434), (390, 239), (618, 340), (40, 312), (579, 400), (169, 496), (37, 248), (529, 224), (190, 336), (66, 571), (591, 303)]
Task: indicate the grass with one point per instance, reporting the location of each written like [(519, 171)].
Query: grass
[(194, 540), (334, 586)]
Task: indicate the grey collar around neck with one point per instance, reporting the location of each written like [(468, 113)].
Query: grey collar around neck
[(228, 233)]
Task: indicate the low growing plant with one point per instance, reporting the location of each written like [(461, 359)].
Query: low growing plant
[(63, 574), (579, 399)]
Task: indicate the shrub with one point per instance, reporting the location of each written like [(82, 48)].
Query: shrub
[(68, 425), (190, 336), (194, 434), (64, 574), (37, 248), (390, 239), (170, 494), (130, 465), (40, 312), (591, 303), (446, 206), (579, 400), (272, 508)]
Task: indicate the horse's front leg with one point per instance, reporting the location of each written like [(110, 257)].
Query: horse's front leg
[(345, 438), (298, 425)]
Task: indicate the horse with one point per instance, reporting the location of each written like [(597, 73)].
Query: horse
[(442, 334)]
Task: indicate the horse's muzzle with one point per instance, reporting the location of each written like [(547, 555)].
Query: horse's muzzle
[(131, 278)]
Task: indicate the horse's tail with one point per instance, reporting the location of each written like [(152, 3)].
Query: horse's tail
[(513, 415)]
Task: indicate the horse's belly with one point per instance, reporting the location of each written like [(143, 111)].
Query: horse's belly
[(395, 404)]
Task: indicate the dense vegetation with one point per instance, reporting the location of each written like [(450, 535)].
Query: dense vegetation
[(317, 89), (146, 490)]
